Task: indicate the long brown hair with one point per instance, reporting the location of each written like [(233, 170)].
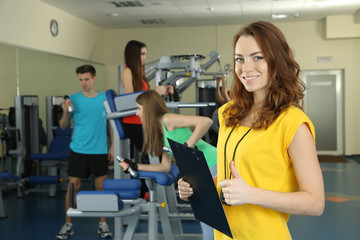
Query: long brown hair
[(286, 88), (154, 107), (132, 60)]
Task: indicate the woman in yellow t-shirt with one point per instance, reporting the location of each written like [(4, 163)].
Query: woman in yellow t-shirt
[(267, 161)]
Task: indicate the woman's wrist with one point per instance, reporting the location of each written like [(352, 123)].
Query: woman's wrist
[(186, 144)]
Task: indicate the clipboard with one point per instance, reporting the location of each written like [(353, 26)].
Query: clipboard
[(205, 201)]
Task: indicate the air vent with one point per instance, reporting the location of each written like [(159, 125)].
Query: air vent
[(127, 4), (152, 21)]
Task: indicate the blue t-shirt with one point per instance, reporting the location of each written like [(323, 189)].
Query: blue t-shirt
[(89, 134)]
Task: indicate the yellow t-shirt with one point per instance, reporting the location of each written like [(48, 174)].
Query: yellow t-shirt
[(262, 160)]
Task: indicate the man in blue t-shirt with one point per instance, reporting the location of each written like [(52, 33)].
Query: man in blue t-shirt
[(89, 148)]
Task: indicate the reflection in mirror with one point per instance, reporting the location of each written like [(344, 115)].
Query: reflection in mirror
[(31, 72)]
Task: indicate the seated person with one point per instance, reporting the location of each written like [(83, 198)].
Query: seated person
[(159, 124)]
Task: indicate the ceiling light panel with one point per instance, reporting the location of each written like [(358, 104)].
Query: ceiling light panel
[(120, 4), (152, 21), (164, 9)]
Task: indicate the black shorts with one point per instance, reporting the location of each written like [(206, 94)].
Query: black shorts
[(84, 165)]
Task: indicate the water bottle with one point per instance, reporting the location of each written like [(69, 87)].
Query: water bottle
[(71, 107)]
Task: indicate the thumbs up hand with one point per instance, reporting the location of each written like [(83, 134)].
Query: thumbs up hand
[(235, 191)]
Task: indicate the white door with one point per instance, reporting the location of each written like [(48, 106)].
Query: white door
[(325, 107)]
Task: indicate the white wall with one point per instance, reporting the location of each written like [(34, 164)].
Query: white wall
[(26, 23)]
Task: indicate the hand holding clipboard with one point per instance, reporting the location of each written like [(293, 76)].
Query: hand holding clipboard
[(205, 200)]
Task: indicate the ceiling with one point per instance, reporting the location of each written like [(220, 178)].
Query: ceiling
[(117, 14)]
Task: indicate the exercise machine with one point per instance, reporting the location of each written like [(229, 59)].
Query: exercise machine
[(26, 131), (53, 115), (55, 160), (24, 126), (179, 70), (170, 216)]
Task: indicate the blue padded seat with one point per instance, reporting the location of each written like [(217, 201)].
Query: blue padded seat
[(130, 188), (44, 179), (126, 184), (127, 188), (8, 177), (165, 179), (59, 147), (161, 178), (174, 171)]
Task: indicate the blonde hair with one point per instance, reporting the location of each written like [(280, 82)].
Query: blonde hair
[(154, 108)]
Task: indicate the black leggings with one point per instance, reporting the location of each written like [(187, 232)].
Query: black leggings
[(135, 133)]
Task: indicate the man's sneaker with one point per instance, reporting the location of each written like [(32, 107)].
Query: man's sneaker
[(65, 231), (104, 230)]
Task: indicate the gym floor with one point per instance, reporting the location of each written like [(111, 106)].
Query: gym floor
[(38, 217)]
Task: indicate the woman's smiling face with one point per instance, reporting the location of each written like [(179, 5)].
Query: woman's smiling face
[(250, 65)]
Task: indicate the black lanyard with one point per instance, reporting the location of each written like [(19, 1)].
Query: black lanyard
[(234, 149)]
